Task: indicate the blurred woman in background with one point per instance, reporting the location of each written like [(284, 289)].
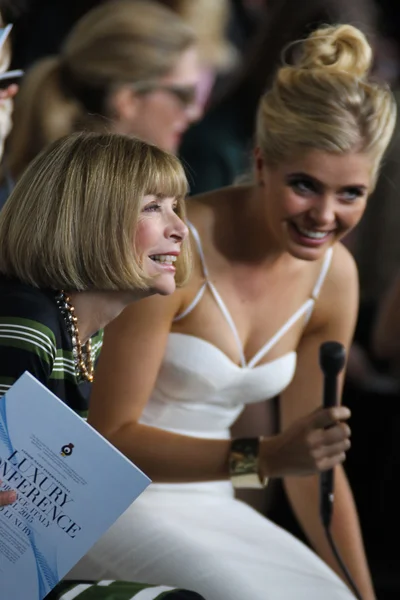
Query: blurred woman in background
[(129, 66)]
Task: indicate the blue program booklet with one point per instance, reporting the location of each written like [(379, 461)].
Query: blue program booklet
[(72, 485)]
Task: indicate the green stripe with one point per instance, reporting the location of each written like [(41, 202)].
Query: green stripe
[(62, 375), (62, 355), (29, 323), (30, 339), (67, 354), (97, 342), (82, 413)]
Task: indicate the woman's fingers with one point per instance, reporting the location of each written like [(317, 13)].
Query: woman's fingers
[(7, 498), (331, 451), (326, 437), (328, 447), (329, 462), (9, 92), (326, 417)]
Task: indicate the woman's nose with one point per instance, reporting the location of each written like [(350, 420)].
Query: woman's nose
[(194, 111), (177, 228), (323, 212)]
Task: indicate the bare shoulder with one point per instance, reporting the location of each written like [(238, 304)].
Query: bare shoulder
[(202, 208), (343, 270), (155, 313), (338, 299)]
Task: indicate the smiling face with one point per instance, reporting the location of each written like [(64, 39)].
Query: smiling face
[(313, 201), (159, 238)]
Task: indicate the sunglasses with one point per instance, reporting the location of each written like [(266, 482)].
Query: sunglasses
[(186, 95)]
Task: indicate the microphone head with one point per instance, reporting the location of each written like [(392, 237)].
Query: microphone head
[(332, 357)]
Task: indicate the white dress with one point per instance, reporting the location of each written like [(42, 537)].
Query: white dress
[(197, 535)]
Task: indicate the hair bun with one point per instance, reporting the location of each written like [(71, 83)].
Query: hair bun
[(342, 48)]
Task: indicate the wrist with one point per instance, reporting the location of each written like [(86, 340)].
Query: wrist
[(269, 457), (245, 464)]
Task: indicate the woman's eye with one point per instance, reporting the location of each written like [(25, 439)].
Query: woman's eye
[(302, 186), (351, 194), (152, 208)]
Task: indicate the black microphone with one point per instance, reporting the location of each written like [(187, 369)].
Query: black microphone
[(332, 357)]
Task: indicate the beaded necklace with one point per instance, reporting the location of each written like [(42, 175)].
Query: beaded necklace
[(82, 353)]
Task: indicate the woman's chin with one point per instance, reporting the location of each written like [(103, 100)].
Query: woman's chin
[(164, 285)]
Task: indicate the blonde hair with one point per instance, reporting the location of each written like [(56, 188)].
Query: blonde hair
[(209, 20), (71, 220), (327, 101), (117, 43)]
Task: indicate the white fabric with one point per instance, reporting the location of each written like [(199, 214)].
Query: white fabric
[(151, 593), (76, 591), (198, 536), (306, 309)]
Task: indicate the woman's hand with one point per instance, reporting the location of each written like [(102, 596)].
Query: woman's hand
[(317, 442), (9, 92), (7, 498)]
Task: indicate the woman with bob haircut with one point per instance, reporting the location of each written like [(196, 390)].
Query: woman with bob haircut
[(94, 223), (271, 283)]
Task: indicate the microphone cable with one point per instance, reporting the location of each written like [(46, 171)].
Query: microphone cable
[(340, 561), (332, 357)]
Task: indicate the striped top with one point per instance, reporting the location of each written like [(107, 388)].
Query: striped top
[(34, 338)]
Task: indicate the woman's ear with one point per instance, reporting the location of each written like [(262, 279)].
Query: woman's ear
[(124, 104), (259, 164)]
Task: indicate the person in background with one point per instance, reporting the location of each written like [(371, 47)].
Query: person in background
[(128, 66), (80, 240), (271, 283)]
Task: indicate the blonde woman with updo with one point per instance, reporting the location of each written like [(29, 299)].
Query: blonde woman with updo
[(128, 66), (271, 283)]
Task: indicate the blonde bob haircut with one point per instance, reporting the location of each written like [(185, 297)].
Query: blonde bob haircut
[(70, 222), (327, 101)]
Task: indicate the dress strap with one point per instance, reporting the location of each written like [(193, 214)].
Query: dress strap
[(201, 291), (306, 309), (323, 273), (192, 305), (197, 239), (229, 320), (279, 334), (215, 294), (320, 281)]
